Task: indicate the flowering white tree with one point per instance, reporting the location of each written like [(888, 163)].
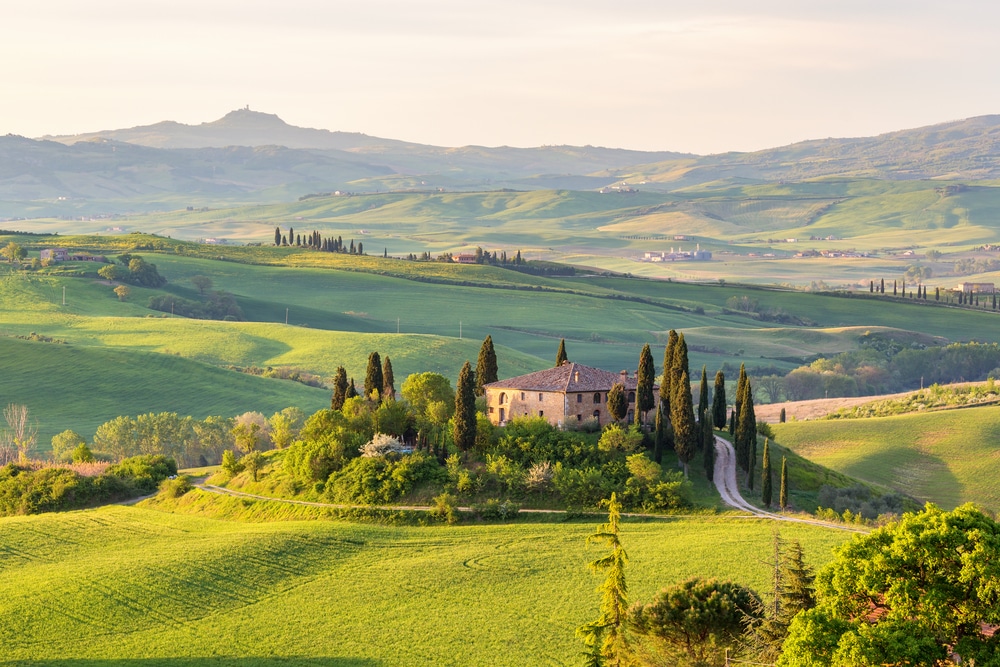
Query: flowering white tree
[(382, 444)]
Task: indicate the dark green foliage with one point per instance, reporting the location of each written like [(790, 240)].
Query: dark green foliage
[(352, 391), (82, 454), (783, 494), (687, 440), (373, 376), (486, 366), (277, 236), (388, 380), (694, 622), (703, 393), (765, 477), (617, 401), (135, 271), (666, 381), (561, 353), (465, 409), (746, 430), (218, 306), (719, 401), (861, 501), (680, 365), (708, 445), (27, 491), (339, 388), (644, 382), (732, 422), (380, 480), (311, 461), (781, 416)]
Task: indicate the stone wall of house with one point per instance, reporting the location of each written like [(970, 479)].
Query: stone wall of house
[(558, 408)]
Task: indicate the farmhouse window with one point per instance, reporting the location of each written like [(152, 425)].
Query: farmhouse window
[(539, 397), (503, 398), (541, 413), (522, 395), (579, 398), (597, 397), (491, 409), (631, 397)]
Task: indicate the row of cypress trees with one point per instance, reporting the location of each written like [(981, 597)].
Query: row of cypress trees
[(379, 382)]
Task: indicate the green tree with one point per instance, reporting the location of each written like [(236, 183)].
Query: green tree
[(561, 353), (339, 389), (910, 593), (687, 438), (680, 364), (666, 382), (388, 381), (422, 390), (285, 426), (277, 236), (605, 637), (693, 622), (703, 393), (791, 592), (65, 442), (202, 283), (465, 409), (617, 401), (82, 454), (644, 383), (352, 391), (746, 429), (765, 477), (783, 493), (373, 377), (719, 410), (708, 445), (486, 366), (13, 252)]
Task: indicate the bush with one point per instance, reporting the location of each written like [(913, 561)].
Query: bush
[(496, 510), (311, 461), (176, 487), (145, 472), (764, 429), (859, 501), (446, 508), (231, 464), (374, 480)]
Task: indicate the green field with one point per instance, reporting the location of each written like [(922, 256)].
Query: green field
[(123, 586), (948, 457)]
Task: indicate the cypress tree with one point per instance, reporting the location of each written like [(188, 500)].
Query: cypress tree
[(659, 435), (385, 253), (291, 236), (783, 493), (486, 366), (277, 236), (708, 445), (666, 382), (339, 389), (797, 579), (373, 376), (352, 391), (894, 288), (732, 422), (781, 416), (746, 431), (644, 383), (937, 293), (752, 455), (617, 401), (284, 241), (882, 288), (765, 477), (680, 364), (561, 353), (871, 287), (361, 248), (686, 440), (703, 393), (465, 409), (351, 251), (719, 401), (388, 381)]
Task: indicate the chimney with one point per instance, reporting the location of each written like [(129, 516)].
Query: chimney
[(576, 376), (624, 375)]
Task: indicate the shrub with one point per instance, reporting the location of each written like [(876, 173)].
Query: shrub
[(382, 444), (311, 461), (373, 480), (176, 487), (539, 477), (82, 454), (446, 508), (764, 429), (496, 510), (231, 464), (145, 472)]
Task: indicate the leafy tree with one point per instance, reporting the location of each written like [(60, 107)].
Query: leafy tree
[(465, 409), (783, 493), (687, 439), (66, 442), (703, 393), (202, 283), (617, 401), (388, 381), (339, 389), (693, 622), (82, 454), (605, 637), (719, 401), (253, 462), (486, 366), (765, 477), (112, 272), (910, 593), (561, 353), (285, 426), (13, 252), (644, 383), (246, 435), (421, 390), (373, 377), (122, 291)]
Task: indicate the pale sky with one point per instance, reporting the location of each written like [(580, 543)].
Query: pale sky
[(699, 76)]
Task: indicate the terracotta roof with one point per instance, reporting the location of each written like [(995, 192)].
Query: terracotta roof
[(570, 377)]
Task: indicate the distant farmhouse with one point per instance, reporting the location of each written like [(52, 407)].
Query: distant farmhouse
[(679, 255), (976, 288), (568, 394), (62, 255)]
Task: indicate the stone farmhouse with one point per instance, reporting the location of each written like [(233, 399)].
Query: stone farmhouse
[(568, 394)]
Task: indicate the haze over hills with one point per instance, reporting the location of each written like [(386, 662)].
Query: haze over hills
[(253, 157)]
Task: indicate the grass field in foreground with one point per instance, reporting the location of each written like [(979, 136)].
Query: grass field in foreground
[(121, 584), (947, 457)]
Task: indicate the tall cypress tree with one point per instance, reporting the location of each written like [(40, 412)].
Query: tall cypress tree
[(732, 422), (561, 353), (680, 364), (659, 435), (666, 382), (277, 236), (465, 409), (291, 236), (703, 393), (388, 380), (708, 444), (373, 376), (352, 391), (765, 477), (783, 493), (644, 383), (719, 401), (339, 389), (686, 437), (746, 431), (486, 366)]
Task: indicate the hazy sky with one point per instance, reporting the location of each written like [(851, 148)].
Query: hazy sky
[(701, 76)]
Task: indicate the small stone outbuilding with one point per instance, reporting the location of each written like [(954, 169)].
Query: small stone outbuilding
[(568, 394)]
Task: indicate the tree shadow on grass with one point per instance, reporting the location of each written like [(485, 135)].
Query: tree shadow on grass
[(916, 473), (217, 661)]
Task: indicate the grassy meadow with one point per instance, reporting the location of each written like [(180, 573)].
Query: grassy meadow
[(948, 456), (128, 585)]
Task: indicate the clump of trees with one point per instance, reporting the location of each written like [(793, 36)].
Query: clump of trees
[(134, 270), (217, 306)]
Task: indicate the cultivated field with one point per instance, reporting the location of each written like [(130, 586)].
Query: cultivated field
[(126, 585)]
